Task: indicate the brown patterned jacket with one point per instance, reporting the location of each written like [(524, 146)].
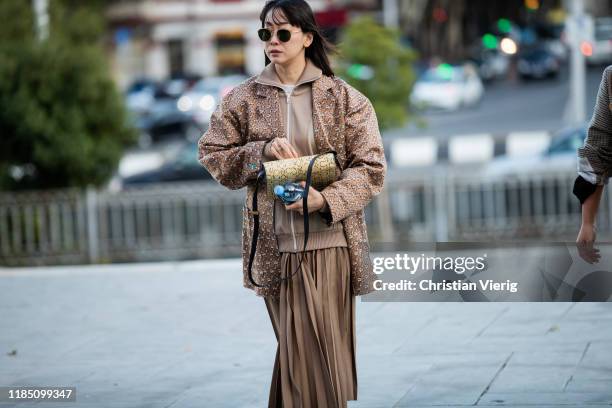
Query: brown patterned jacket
[(344, 120)]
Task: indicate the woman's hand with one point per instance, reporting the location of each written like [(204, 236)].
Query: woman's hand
[(315, 201), (588, 231), (280, 148), (585, 241)]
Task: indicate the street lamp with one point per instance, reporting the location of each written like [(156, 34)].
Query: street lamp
[(576, 26)]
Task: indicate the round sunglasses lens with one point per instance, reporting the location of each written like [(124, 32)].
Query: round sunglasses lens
[(264, 34), (284, 35)]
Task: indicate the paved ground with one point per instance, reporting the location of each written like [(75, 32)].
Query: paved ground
[(188, 335)]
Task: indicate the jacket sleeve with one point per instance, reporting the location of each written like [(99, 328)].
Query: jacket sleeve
[(222, 149), (364, 175), (595, 156)]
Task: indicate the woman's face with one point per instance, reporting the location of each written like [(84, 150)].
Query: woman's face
[(284, 53)]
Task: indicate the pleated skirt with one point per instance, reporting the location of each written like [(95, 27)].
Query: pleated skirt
[(314, 323)]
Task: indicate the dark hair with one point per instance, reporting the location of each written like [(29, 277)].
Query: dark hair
[(299, 14)]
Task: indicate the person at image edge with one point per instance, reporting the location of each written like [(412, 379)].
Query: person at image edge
[(594, 168)]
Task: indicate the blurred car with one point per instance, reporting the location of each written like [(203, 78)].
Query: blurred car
[(600, 44), (492, 64), (558, 49), (201, 101), (154, 112), (141, 94), (554, 38), (164, 122), (560, 156), (173, 162), (177, 85), (538, 62), (447, 87)]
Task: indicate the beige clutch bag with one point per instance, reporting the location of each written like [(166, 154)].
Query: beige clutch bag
[(279, 172)]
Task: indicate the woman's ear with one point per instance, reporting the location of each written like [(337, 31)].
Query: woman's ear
[(309, 39)]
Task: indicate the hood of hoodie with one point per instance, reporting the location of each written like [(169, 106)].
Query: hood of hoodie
[(269, 77), (295, 102)]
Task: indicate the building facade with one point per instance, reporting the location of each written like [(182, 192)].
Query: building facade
[(160, 38)]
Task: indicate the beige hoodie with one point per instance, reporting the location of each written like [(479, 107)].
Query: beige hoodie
[(296, 115)]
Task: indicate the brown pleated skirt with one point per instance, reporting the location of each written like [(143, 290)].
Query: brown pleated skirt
[(314, 323)]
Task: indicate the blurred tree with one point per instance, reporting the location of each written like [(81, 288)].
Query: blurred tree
[(62, 120), (17, 21), (374, 61)]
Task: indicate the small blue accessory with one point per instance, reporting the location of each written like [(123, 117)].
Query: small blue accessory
[(289, 193)]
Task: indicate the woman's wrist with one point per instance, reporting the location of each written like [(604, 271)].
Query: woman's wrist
[(324, 206), (266, 150), (588, 219), (590, 207)]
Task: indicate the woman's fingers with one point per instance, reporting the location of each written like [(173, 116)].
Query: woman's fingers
[(313, 200), (279, 152), (288, 150), (587, 251), (280, 148), (299, 209), (293, 151)]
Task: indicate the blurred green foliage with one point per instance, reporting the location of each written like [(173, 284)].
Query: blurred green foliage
[(373, 60), (62, 120)]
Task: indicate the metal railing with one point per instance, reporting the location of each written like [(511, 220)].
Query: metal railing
[(200, 220)]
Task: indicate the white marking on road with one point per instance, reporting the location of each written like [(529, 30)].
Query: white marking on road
[(527, 143), (421, 151), (471, 148)]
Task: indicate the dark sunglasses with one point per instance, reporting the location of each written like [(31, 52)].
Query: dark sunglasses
[(283, 34)]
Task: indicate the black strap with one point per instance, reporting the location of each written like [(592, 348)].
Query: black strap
[(260, 176)]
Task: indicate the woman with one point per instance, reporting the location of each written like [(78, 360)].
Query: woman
[(594, 167), (297, 107)]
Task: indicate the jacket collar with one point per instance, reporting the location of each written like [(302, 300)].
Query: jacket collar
[(268, 77)]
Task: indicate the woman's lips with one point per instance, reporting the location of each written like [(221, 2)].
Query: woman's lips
[(275, 52)]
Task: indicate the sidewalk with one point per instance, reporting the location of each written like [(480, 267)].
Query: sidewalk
[(189, 335)]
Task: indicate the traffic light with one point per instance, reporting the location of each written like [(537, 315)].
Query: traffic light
[(503, 25), (532, 5), (445, 71), (489, 41), (360, 71)]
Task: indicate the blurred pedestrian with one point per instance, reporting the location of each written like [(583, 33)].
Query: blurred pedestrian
[(594, 167), (297, 107)]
